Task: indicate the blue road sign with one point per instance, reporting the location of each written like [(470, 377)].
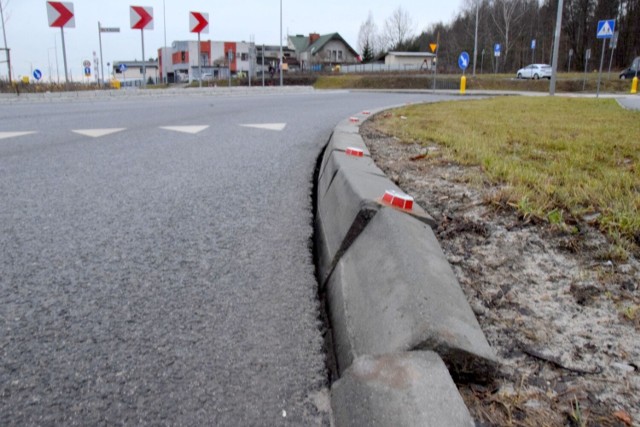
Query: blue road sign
[(496, 49), (463, 60), (122, 68), (37, 74), (533, 44), (606, 29), (87, 71)]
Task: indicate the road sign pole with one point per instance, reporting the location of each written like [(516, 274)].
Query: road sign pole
[(144, 64), (612, 46), (435, 68), (199, 60), (64, 56), (587, 56), (604, 46)]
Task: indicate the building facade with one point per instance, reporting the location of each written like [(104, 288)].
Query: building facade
[(179, 63)]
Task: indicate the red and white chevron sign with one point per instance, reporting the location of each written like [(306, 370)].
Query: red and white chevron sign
[(199, 22), (60, 14), (141, 18)]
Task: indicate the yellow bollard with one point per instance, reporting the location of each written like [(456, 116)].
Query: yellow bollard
[(634, 86), (463, 85)]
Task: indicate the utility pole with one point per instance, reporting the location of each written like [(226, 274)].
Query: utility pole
[(556, 48), (6, 48), (475, 40), (281, 57)]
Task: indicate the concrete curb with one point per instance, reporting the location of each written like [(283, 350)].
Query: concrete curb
[(393, 290), (405, 389), (391, 296)]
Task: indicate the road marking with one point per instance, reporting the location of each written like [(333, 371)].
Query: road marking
[(279, 127), (97, 133), (4, 135), (185, 129)]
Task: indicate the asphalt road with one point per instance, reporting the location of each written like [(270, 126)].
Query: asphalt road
[(156, 276)]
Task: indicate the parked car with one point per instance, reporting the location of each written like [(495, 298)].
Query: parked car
[(535, 71), (632, 71)]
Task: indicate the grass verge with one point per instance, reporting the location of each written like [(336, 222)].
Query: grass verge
[(554, 159)]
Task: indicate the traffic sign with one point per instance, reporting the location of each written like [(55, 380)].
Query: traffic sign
[(86, 63), (37, 74), (496, 49), (60, 14), (141, 18), (433, 47), (199, 22), (533, 44), (463, 60), (87, 71), (606, 28), (122, 68)]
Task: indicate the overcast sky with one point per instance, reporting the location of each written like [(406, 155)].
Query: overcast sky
[(32, 41)]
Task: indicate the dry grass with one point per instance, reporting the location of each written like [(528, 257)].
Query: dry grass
[(556, 159)]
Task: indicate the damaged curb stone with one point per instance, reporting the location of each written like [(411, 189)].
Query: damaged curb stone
[(404, 389)]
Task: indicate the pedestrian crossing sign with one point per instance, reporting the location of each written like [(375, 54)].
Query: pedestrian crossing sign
[(606, 28)]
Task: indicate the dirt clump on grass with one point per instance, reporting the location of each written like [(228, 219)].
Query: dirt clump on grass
[(563, 318)]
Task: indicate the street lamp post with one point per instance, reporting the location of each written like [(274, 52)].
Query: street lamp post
[(556, 47), (281, 57), (475, 40), (6, 48)]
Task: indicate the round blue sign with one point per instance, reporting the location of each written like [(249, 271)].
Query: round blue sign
[(37, 74), (463, 60)]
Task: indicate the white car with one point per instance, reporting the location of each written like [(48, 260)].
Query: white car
[(535, 71)]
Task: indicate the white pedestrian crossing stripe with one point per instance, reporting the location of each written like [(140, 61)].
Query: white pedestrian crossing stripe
[(278, 127), (5, 135), (185, 129), (97, 133)]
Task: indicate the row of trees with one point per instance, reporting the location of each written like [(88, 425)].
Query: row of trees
[(513, 24)]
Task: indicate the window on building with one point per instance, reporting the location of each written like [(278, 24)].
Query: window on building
[(340, 55), (244, 56)]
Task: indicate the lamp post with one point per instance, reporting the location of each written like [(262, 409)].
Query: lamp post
[(556, 47), (164, 48), (6, 48), (281, 57), (475, 40)]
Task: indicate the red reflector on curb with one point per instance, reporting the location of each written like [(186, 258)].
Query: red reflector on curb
[(354, 119), (366, 113), (399, 200), (352, 151)]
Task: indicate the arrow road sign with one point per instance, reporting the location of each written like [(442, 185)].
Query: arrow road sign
[(496, 49), (141, 18), (60, 14), (606, 28), (463, 60), (37, 74), (199, 22)]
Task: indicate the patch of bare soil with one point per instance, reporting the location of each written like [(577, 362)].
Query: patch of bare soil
[(563, 319)]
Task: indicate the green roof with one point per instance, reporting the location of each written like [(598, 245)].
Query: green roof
[(301, 43)]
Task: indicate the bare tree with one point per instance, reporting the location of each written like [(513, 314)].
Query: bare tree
[(368, 39), (398, 29), (506, 15)]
